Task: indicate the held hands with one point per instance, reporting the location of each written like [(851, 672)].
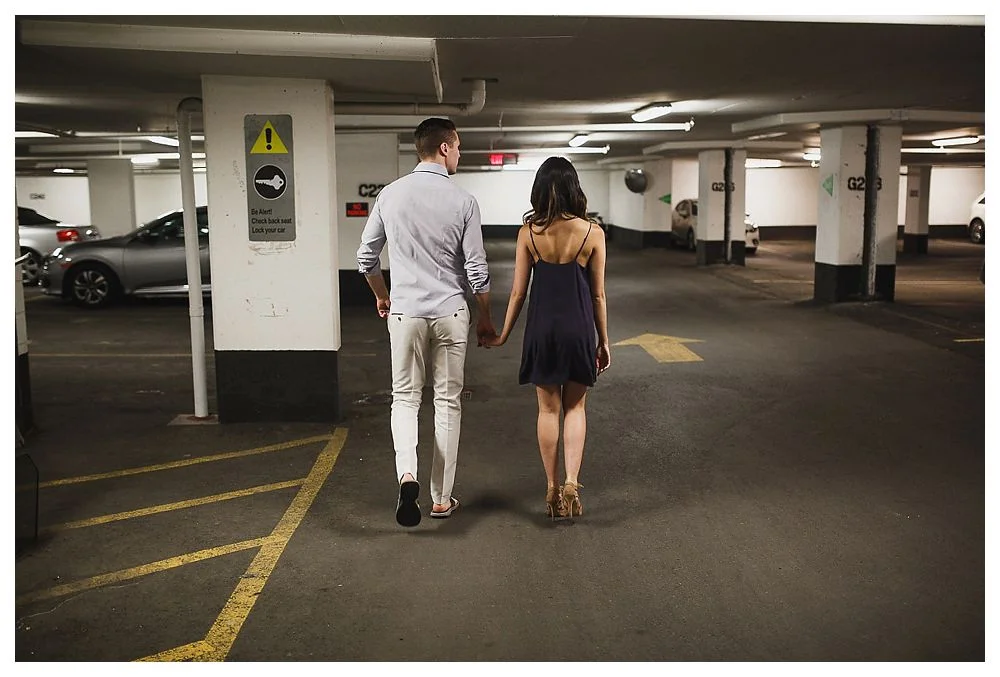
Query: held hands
[(603, 357), (382, 305), (493, 341), (485, 331)]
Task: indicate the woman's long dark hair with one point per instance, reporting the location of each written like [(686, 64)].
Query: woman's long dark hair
[(555, 194)]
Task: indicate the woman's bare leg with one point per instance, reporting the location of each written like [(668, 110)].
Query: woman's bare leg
[(574, 399), (549, 405)]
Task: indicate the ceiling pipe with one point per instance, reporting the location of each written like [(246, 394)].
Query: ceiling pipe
[(471, 108)]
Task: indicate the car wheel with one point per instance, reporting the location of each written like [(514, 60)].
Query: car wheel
[(690, 240), (31, 269), (977, 231), (92, 286)]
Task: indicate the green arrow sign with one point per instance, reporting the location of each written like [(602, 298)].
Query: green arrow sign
[(828, 185)]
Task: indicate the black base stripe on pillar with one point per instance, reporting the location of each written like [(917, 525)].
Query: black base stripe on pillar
[(833, 284), (914, 244), (354, 289), (709, 252), (24, 416), (739, 253), (288, 386), (638, 239)]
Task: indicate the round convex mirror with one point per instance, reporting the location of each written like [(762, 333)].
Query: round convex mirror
[(635, 180)]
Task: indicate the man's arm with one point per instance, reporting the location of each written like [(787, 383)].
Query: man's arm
[(477, 271), (372, 242)]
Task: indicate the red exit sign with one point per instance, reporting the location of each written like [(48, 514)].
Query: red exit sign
[(498, 159)]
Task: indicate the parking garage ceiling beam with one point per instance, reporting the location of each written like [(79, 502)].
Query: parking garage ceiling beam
[(846, 117)]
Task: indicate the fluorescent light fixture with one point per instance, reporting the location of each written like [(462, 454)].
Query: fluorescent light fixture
[(812, 156), (760, 163), (153, 158), (34, 135), (164, 141), (601, 150), (651, 112), (62, 170), (769, 135), (579, 140), (946, 151), (958, 141)]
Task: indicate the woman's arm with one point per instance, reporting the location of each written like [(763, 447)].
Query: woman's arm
[(596, 265), (519, 289)]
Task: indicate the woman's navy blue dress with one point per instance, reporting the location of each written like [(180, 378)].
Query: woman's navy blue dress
[(560, 338)]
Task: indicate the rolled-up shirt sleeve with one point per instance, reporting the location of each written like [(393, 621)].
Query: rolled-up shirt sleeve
[(372, 242), (476, 269)]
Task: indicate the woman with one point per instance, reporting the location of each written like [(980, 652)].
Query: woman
[(566, 334)]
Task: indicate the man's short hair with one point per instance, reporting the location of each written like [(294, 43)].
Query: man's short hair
[(431, 133)]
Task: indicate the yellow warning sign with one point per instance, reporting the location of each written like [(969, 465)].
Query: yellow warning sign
[(268, 141)]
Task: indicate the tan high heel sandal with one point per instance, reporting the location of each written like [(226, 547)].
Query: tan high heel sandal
[(571, 498), (554, 505)]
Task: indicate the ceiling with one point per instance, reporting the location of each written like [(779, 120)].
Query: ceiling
[(104, 82)]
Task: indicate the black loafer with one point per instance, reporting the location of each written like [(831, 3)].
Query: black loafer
[(407, 510)]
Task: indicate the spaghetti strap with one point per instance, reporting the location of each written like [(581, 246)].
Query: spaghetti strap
[(538, 256), (580, 250)]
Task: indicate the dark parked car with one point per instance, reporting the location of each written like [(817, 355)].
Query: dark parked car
[(149, 261), (40, 235)]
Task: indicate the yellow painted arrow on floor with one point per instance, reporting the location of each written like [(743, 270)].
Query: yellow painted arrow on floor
[(664, 348)]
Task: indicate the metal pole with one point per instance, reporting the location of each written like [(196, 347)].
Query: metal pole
[(185, 109), (871, 204), (727, 178)]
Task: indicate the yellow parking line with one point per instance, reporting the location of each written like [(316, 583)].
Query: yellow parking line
[(230, 621), (167, 507), (142, 570), (186, 462)]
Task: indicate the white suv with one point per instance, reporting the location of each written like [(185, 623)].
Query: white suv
[(977, 220)]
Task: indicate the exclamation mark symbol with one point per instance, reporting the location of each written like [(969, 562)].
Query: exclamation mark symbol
[(267, 133)]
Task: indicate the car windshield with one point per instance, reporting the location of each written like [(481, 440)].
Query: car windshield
[(29, 217)]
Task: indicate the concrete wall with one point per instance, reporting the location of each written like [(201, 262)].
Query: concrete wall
[(775, 197)]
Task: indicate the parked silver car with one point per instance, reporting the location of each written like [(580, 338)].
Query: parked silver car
[(40, 235), (149, 261), (684, 221)]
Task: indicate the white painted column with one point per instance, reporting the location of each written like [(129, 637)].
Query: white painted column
[(275, 304), (625, 210), (710, 233), (112, 196), (839, 256), (365, 164), (916, 230)]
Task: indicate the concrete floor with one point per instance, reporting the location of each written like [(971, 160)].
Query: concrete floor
[(811, 489)]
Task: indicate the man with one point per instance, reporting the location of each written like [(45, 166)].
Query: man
[(436, 256)]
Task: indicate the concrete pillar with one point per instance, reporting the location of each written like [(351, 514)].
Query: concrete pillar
[(839, 273), (274, 248), (710, 235), (112, 196), (23, 413), (918, 200), (365, 164)]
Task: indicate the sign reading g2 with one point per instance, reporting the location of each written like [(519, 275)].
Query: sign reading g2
[(858, 183), (370, 189)]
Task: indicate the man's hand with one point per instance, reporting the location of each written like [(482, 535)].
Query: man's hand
[(383, 307), (485, 329)]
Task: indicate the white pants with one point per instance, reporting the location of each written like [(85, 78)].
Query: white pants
[(438, 343)]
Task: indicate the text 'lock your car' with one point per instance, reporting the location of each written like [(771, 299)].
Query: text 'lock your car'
[(149, 261)]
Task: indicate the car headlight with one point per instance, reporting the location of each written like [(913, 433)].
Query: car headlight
[(56, 253)]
